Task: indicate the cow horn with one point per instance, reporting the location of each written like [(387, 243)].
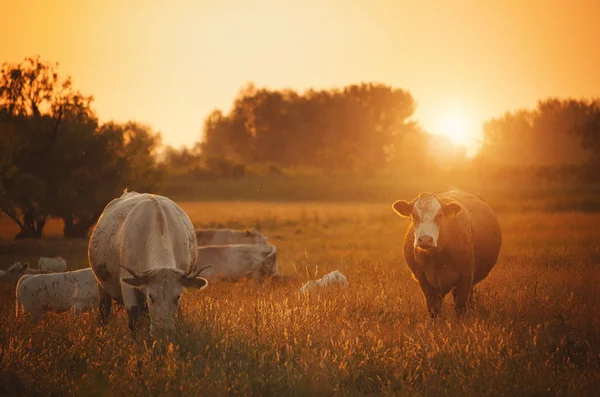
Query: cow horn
[(190, 276), (136, 275)]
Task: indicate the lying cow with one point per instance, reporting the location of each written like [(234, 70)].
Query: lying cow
[(52, 265), (452, 243), (57, 292), (143, 253), (206, 237), (333, 278), (16, 271), (238, 261)]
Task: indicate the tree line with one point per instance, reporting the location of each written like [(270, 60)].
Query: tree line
[(558, 133), (57, 160), (367, 128), (359, 128)]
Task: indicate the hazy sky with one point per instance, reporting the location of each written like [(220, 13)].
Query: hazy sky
[(170, 63)]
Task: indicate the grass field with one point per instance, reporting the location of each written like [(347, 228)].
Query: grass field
[(534, 328)]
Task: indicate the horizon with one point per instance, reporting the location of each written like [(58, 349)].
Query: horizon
[(208, 53)]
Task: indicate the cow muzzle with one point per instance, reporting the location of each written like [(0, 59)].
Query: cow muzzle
[(426, 242), (158, 328)]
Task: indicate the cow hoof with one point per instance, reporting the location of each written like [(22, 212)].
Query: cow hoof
[(460, 311)]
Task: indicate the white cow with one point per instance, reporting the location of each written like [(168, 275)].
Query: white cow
[(52, 265), (333, 278), (237, 261), (57, 292), (143, 253), (16, 271), (206, 237)]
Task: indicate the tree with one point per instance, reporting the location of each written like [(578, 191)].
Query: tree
[(63, 164), (353, 128), (589, 132), (114, 157), (34, 102), (545, 136)]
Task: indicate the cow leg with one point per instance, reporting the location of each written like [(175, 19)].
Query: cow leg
[(434, 303), (132, 314), (432, 296), (131, 303), (463, 292), (104, 304), (469, 302), (142, 301)]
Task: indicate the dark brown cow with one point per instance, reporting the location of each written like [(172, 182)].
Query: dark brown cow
[(452, 243)]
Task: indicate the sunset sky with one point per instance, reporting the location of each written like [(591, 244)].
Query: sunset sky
[(169, 64)]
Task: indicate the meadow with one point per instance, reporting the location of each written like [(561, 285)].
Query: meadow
[(534, 327)]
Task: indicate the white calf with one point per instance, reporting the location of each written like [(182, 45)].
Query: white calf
[(57, 292), (52, 265), (333, 278)]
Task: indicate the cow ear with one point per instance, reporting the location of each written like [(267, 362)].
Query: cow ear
[(403, 208), (135, 282), (25, 266), (197, 282), (452, 208)]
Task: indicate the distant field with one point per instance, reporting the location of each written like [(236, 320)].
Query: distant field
[(534, 328)]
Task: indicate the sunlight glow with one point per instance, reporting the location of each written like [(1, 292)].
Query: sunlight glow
[(454, 127), (458, 124)]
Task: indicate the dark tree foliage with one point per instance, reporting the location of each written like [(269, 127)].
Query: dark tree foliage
[(56, 161)]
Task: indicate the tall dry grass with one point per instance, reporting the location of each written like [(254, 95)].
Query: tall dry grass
[(533, 330)]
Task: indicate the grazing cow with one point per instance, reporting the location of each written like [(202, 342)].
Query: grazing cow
[(206, 237), (143, 253), (237, 261), (57, 292), (15, 272), (452, 243), (330, 279), (52, 265)]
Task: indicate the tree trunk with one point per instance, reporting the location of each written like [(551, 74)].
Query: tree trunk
[(32, 227), (79, 228)]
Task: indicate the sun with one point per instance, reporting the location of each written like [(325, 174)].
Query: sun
[(459, 124), (455, 126)]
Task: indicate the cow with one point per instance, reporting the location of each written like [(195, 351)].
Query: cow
[(16, 271), (52, 265), (206, 237), (452, 242), (236, 261), (57, 292), (143, 252), (333, 278)]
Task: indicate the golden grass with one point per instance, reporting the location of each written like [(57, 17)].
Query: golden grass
[(534, 328)]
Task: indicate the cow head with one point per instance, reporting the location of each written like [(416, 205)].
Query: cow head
[(14, 273), (428, 215), (255, 237), (163, 289)]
